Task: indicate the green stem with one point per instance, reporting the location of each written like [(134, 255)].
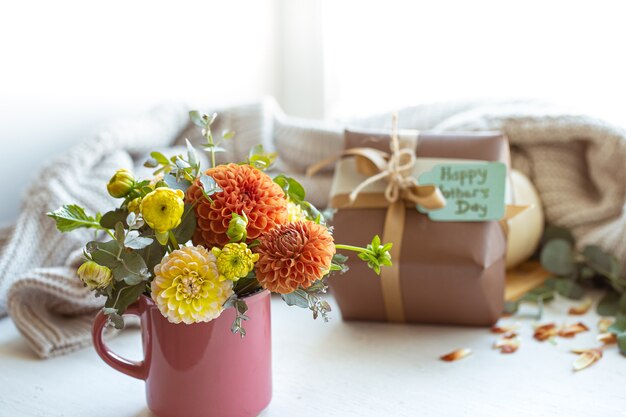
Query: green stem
[(110, 233), (209, 138), (350, 247), (173, 240)]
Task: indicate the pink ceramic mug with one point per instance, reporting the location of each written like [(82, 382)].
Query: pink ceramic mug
[(202, 369)]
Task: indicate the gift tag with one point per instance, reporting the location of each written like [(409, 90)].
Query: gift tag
[(474, 191)]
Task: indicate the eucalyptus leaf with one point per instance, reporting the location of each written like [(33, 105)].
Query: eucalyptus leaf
[(556, 232), (111, 218), (569, 289), (599, 260), (297, 298), (197, 119), (176, 183), (609, 304), (621, 343), (124, 295), (557, 256), (185, 230), (105, 253), (135, 241), (209, 186), (131, 268)]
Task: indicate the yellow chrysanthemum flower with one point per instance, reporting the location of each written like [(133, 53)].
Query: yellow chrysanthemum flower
[(295, 213), (94, 276), (163, 208), (234, 261), (186, 287)]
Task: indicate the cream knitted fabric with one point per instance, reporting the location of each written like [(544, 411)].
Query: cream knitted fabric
[(577, 163)]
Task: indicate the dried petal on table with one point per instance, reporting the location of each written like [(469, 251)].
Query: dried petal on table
[(581, 308), (508, 343), (587, 358), (456, 355), (504, 329), (573, 329), (545, 332), (607, 338), (604, 323)]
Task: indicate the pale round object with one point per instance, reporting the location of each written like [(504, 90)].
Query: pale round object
[(526, 228)]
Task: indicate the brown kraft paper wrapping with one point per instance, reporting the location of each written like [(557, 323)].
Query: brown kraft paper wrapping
[(449, 272)]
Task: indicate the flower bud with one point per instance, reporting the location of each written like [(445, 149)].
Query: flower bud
[(237, 228), (121, 183), (134, 205), (94, 276)]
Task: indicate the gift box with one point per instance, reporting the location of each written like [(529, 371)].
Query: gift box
[(444, 272)]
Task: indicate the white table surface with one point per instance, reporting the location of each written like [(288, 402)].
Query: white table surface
[(347, 369)]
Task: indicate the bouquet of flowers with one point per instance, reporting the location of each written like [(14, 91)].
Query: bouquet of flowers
[(198, 242)]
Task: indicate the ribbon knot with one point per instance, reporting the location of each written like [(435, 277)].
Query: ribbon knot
[(397, 167)]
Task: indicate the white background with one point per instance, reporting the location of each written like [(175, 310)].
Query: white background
[(69, 67)]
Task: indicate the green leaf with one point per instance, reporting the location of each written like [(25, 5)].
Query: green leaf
[(117, 320), (258, 158), (111, 218), (570, 289), (124, 295), (160, 158), (619, 326), (556, 232), (621, 342), (120, 233), (135, 241), (622, 304), (71, 217), (600, 261), (292, 188), (131, 268), (187, 226), (152, 254), (297, 298), (196, 118), (209, 186), (557, 256), (609, 304), (105, 253), (228, 134), (176, 183)]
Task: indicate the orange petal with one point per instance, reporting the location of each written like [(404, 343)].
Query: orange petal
[(545, 331), (572, 330), (581, 308), (607, 338), (587, 358), (455, 355), (604, 323), (504, 329), (508, 343)]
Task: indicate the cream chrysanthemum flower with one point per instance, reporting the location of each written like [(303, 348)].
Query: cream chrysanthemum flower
[(295, 213), (234, 261), (187, 288)]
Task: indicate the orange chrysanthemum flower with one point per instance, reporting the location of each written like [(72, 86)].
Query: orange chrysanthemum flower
[(245, 190), (294, 255)]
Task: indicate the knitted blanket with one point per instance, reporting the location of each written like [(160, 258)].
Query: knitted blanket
[(577, 163)]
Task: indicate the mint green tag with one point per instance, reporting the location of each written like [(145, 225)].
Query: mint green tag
[(474, 191)]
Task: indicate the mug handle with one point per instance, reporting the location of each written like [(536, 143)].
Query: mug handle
[(135, 369)]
